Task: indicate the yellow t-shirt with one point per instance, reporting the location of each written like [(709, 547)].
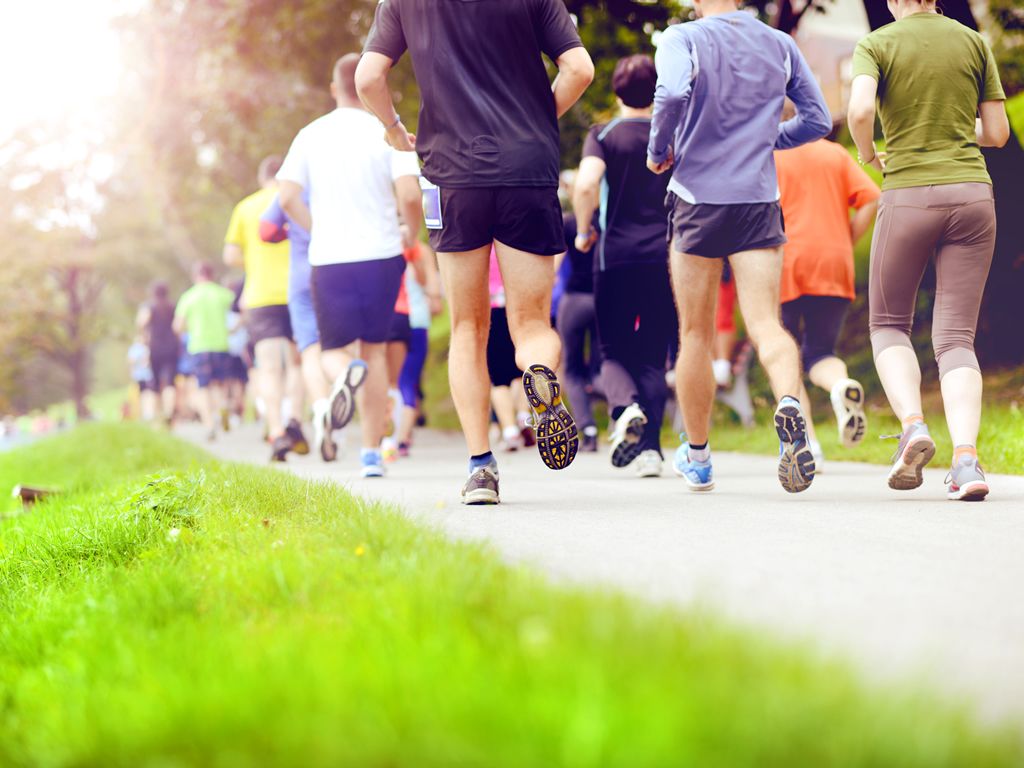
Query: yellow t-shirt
[(266, 264)]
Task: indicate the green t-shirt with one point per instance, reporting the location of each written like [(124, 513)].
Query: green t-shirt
[(203, 309), (932, 73)]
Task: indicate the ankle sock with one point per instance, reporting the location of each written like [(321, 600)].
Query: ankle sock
[(699, 452), (964, 450), (914, 418), (590, 431), (482, 460)]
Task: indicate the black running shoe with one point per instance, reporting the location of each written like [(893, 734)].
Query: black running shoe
[(343, 398), (280, 448), (294, 433), (796, 462), (482, 487), (557, 436)]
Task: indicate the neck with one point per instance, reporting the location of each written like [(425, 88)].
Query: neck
[(344, 102), (631, 112), (909, 9), (718, 7)]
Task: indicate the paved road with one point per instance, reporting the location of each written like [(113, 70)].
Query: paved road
[(907, 585)]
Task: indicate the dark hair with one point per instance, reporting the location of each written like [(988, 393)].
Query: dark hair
[(269, 167), (160, 292), (344, 75), (203, 270), (634, 80)]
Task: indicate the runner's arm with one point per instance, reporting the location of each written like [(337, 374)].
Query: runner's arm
[(290, 195), (861, 118), (812, 121), (586, 198), (372, 87), (575, 74), (142, 318), (410, 205), (993, 127), (862, 220), (675, 77), (233, 255)]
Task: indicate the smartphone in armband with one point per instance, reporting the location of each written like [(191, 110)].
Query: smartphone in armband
[(431, 205)]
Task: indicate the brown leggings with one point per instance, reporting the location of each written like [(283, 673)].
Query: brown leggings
[(955, 223)]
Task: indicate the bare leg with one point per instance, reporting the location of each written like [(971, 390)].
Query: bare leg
[(695, 285), (271, 357), (294, 384), (465, 278), (758, 274), (504, 407), (961, 395), (529, 280), (372, 397), (900, 373), (317, 385), (805, 403), (828, 372)]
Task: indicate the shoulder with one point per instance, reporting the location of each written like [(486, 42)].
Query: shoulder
[(679, 34)]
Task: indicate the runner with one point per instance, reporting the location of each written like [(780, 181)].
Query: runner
[(489, 140), (357, 187), (142, 376), (155, 321), (936, 201), (265, 302), (202, 313), (577, 326), (633, 295), (722, 81), (819, 183)]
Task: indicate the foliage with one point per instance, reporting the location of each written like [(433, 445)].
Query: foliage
[(291, 624)]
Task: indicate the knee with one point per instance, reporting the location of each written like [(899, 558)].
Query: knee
[(953, 353), (883, 338)]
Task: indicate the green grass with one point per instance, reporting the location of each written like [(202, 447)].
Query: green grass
[(287, 623), (1015, 109)]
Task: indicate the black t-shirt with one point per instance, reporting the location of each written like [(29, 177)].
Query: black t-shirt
[(633, 215), (487, 116), (581, 265)]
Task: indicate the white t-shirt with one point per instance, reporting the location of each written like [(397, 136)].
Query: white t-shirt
[(349, 171)]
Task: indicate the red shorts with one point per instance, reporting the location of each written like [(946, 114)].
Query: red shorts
[(725, 322)]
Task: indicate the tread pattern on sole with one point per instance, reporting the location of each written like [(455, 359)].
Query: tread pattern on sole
[(557, 436), (796, 462), (908, 471), (626, 452)]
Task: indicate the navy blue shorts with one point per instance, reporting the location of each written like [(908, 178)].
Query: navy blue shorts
[(211, 367), (356, 301)]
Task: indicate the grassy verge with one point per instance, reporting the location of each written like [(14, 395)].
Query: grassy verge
[(220, 615)]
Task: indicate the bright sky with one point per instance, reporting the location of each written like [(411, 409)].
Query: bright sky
[(58, 59)]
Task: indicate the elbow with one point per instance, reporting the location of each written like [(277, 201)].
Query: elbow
[(367, 78), (1002, 135), (860, 116)]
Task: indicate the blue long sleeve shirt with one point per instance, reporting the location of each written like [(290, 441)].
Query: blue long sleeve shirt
[(722, 82)]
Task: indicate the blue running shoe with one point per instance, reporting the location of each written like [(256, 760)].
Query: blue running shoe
[(373, 464), (698, 474), (796, 462)]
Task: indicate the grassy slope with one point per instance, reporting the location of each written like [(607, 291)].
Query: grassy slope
[(288, 624), (1015, 108)]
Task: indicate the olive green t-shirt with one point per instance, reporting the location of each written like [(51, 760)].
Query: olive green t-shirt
[(932, 73)]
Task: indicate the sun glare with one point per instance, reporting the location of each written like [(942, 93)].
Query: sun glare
[(59, 58)]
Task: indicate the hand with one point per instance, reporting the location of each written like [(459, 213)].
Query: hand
[(585, 241), (665, 165), (436, 304), (879, 160), (399, 138), (409, 242)]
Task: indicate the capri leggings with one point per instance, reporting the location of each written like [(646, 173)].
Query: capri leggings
[(955, 223), (412, 370)]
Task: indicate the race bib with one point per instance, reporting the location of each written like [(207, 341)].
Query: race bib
[(431, 205)]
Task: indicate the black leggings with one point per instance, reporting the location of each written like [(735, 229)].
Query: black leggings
[(576, 321), (636, 322), (815, 322)]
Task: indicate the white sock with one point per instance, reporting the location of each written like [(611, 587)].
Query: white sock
[(722, 370), (704, 454)]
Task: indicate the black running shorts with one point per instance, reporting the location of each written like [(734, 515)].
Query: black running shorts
[(271, 322), (525, 218), (717, 231)]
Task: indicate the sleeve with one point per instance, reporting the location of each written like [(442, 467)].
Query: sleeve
[(592, 145), (386, 36), (555, 28), (674, 63), (236, 228), (181, 310), (404, 164), (412, 254), (295, 167), (813, 120), (865, 62), (861, 189), (992, 89), (273, 223)]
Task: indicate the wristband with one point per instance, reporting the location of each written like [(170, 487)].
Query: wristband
[(396, 123), (862, 161)]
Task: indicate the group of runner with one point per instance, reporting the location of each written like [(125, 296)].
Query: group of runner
[(677, 211)]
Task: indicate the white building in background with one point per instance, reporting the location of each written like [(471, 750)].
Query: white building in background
[(828, 41)]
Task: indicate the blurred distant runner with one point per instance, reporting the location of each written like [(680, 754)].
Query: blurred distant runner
[(489, 142), (155, 321), (819, 183), (722, 82), (357, 187), (265, 303)]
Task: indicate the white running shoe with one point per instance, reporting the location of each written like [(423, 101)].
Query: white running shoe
[(649, 464), (322, 432), (848, 402), (629, 429), (819, 456), (511, 439)]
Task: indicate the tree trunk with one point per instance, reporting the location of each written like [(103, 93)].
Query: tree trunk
[(78, 354)]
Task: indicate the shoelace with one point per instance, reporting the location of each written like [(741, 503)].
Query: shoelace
[(893, 437)]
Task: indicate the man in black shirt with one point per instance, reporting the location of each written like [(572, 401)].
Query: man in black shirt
[(632, 292), (488, 138)]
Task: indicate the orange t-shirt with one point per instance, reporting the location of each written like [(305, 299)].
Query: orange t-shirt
[(402, 305), (819, 183)]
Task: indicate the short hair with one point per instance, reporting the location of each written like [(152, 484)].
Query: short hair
[(344, 75), (269, 166), (160, 291), (634, 80), (203, 270)]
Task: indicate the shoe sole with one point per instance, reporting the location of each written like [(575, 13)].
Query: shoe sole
[(625, 452), (796, 464), (852, 419), (481, 497), (300, 445), (328, 448), (973, 491), (371, 474), (343, 398), (557, 437), (908, 471), (695, 487)]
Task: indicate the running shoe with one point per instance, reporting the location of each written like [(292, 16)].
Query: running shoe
[(343, 397), (966, 481), (915, 450), (629, 429), (389, 450), (280, 447), (225, 420), (796, 462), (848, 402), (299, 443), (373, 464), (322, 431), (482, 487), (511, 439), (404, 450), (557, 437), (819, 456), (648, 464), (698, 474), (589, 442)]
